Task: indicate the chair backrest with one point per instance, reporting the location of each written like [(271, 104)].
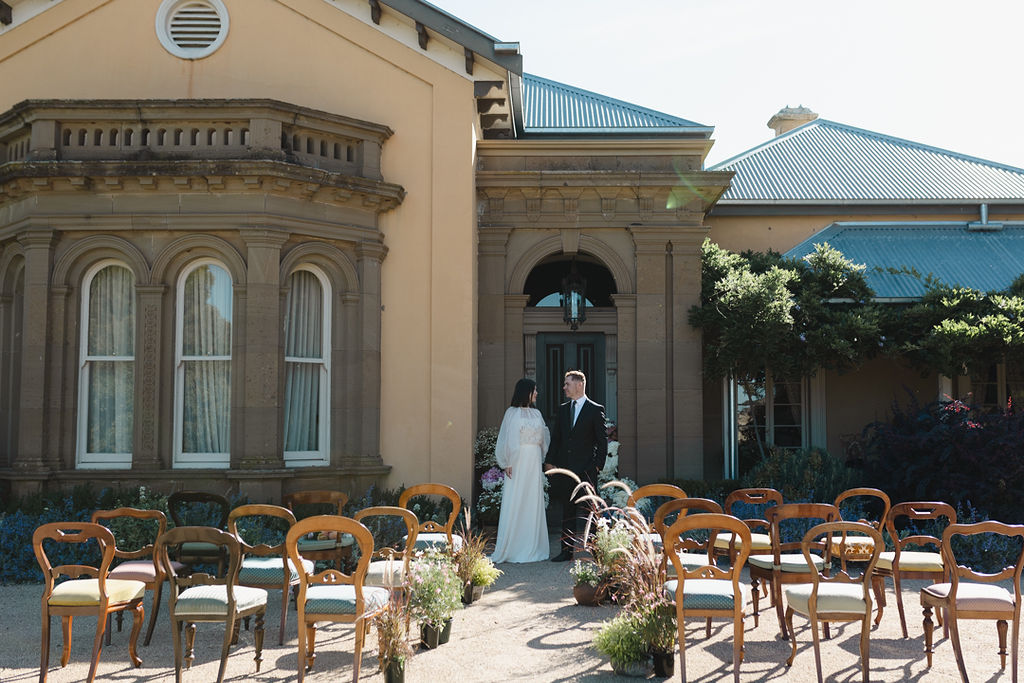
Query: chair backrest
[(200, 534), (753, 496), (74, 532), (959, 571), (382, 547), (655, 491), (260, 510), (822, 534), (118, 515), (340, 525), (320, 498), (877, 497), (180, 504), (915, 512), (683, 506), (714, 523), (442, 490), (777, 514)]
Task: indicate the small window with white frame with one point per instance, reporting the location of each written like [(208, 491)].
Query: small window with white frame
[(106, 371), (307, 327), (997, 388), (762, 412), (202, 359)]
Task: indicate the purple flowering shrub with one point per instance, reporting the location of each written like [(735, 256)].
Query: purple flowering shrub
[(949, 451)]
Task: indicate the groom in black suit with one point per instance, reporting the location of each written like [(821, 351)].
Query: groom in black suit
[(578, 443)]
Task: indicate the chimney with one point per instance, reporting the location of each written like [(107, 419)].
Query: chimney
[(789, 118)]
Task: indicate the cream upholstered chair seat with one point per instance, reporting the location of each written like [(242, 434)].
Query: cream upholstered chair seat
[(139, 570), (701, 594), (428, 540), (758, 541), (212, 600), (385, 573), (912, 561), (832, 597), (314, 544), (87, 592), (975, 597), (788, 562)]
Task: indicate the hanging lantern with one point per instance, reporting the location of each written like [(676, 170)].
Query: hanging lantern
[(574, 298)]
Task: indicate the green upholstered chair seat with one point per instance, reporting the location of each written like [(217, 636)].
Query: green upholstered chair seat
[(341, 599), (200, 549), (269, 571), (970, 596), (313, 544), (832, 597), (213, 600), (81, 592), (377, 574), (426, 541), (757, 541), (140, 570), (707, 593), (912, 561), (788, 562)]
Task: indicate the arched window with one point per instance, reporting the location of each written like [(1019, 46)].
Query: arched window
[(202, 354), (307, 368), (106, 374)]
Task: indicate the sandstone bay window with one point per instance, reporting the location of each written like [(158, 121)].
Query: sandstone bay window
[(307, 369), (106, 374), (202, 382), (762, 412)]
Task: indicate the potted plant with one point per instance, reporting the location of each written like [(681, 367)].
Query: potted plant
[(392, 643), (623, 643), (435, 594), (658, 628), (474, 568), (483, 575), (586, 582)]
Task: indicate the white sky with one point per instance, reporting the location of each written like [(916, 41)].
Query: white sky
[(936, 72)]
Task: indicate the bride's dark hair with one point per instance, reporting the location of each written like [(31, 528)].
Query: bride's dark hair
[(523, 393)]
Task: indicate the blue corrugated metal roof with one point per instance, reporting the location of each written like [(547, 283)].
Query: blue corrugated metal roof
[(827, 161), (552, 107), (984, 260)]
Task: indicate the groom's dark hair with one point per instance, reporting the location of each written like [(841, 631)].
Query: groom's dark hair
[(523, 392)]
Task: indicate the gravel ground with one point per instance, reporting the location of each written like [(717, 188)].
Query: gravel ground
[(526, 627)]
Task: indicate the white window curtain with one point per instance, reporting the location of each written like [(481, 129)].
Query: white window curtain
[(204, 367), (306, 375), (107, 370)]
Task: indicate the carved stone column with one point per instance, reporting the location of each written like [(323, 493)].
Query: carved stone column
[(625, 310), (515, 351), (687, 354), (148, 348), (32, 427), (370, 256), (492, 344), (261, 438)]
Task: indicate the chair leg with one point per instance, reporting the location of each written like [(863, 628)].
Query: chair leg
[(190, 642), (865, 647), (230, 628), (929, 627), (358, 652), (1001, 626), (176, 638), (737, 648), (1013, 647), (44, 649), (157, 595), (707, 628), (755, 594), (817, 646), (878, 585), (97, 647), (954, 635), (284, 614), (310, 645), (777, 595), (792, 636), (899, 601), (138, 616), (682, 650), (65, 653), (258, 636)]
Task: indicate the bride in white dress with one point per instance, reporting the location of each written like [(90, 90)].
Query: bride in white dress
[(522, 442)]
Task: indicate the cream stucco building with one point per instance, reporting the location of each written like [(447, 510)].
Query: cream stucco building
[(262, 245)]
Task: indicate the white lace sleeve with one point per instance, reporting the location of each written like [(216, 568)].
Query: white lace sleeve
[(547, 434), (508, 438)]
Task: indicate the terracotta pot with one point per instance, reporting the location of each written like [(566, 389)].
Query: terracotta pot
[(394, 672), (585, 594), (664, 664)]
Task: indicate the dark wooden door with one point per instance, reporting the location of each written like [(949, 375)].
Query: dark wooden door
[(559, 352)]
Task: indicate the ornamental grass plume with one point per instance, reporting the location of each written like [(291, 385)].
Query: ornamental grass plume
[(392, 635)]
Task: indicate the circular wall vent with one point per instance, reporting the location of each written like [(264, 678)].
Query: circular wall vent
[(192, 29)]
